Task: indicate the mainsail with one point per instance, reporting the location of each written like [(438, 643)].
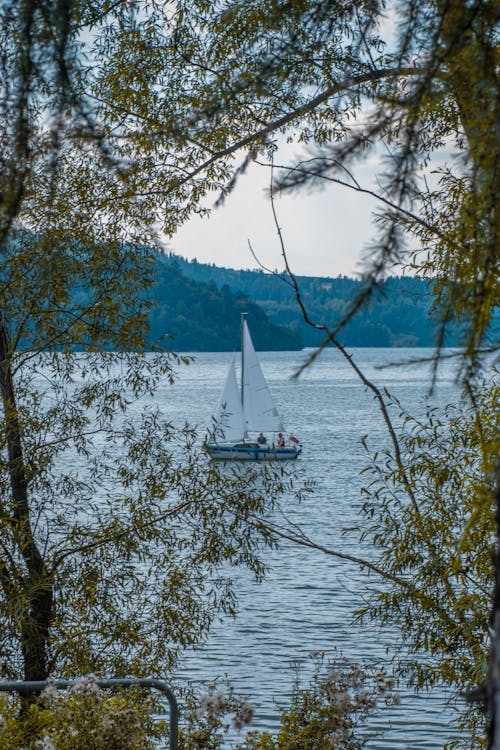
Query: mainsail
[(259, 411)]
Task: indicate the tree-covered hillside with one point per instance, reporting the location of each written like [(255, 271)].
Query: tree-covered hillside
[(399, 315), (200, 317)]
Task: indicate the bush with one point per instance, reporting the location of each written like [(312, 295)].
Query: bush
[(83, 717), (331, 711), (209, 718), (328, 713)]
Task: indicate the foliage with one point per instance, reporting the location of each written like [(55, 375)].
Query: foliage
[(131, 526), (202, 317), (118, 119), (179, 90), (431, 519), (113, 532), (400, 314), (208, 719), (330, 711), (335, 77), (81, 718), (342, 79)]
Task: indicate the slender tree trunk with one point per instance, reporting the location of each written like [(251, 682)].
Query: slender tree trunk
[(38, 599), (494, 670)]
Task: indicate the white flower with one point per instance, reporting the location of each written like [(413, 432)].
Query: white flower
[(50, 691), (86, 684), (243, 715), (46, 743), (342, 700)]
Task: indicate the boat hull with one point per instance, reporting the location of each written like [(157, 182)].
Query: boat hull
[(243, 452)]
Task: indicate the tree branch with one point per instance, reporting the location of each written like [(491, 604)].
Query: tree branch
[(357, 188), (331, 339), (260, 135)]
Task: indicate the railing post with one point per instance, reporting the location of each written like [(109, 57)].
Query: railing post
[(24, 687)]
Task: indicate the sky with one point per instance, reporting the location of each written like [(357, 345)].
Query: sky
[(325, 231)]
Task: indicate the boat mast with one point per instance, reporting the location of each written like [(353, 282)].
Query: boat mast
[(243, 364)]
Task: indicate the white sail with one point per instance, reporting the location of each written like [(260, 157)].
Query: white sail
[(229, 424), (249, 410), (260, 413)]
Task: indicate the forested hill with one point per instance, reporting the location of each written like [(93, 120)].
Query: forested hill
[(200, 305), (200, 317)]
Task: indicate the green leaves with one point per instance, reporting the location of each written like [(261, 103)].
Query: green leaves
[(82, 718), (134, 526), (441, 550)]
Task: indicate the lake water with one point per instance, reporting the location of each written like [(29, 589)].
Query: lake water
[(306, 601)]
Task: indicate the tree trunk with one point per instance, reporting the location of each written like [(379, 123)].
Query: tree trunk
[(494, 669), (37, 593)]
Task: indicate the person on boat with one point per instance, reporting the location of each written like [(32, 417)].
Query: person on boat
[(293, 439), (262, 439), (281, 440)]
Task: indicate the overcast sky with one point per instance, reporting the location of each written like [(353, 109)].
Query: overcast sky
[(325, 231)]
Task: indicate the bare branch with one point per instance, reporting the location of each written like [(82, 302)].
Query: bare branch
[(305, 173), (330, 338)]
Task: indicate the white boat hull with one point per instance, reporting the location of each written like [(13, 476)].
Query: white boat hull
[(251, 452)]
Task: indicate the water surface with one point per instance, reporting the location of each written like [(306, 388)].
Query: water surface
[(307, 600)]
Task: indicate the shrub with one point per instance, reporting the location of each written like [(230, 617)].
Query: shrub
[(83, 717), (330, 712)]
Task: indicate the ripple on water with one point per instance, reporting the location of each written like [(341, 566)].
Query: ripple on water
[(307, 600)]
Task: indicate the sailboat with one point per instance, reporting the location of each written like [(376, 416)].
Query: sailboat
[(246, 410)]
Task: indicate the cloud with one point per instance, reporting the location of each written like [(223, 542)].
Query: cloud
[(324, 231)]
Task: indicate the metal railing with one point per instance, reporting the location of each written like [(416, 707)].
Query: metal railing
[(146, 682)]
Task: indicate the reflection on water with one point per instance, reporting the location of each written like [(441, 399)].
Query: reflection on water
[(307, 599)]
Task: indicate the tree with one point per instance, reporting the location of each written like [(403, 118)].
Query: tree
[(180, 89), (433, 535), (322, 73), (427, 532), (113, 528), (83, 717), (113, 531)]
